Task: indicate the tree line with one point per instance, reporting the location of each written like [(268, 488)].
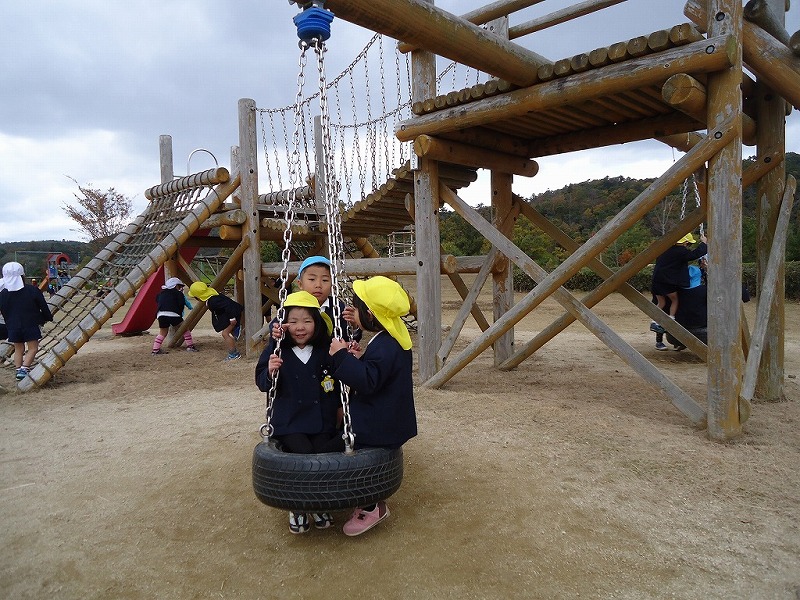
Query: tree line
[(581, 209)]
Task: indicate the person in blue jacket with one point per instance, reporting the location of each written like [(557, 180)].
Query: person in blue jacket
[(24, 310), (314, 277), (380, 378), (305, 407)]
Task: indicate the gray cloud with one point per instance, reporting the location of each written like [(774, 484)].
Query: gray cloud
[(87, 87)]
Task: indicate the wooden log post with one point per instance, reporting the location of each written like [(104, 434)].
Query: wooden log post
[(504, 214), (560, 16), (725, 357), (167, 175), (251, 229), (426, 225), (771, 138)]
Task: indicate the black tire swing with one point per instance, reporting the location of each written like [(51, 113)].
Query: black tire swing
[(339, 480)]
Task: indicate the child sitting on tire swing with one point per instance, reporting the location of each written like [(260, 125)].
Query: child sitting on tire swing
[(304, 410), (380, 378)]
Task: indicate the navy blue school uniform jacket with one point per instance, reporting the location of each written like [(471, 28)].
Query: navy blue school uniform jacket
[(342, 322), (24, 308), (301, 405), (381, 392), (223, 309), (672, 267), (171, 300)]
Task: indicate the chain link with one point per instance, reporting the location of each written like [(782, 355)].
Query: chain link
[(335, 240), (267, 430)]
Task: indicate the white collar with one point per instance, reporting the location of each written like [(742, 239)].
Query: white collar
[(304, 354)]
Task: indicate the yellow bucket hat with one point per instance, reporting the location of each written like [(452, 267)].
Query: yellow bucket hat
[(388, 301), (306, 300), (201, 291), (687, 239)]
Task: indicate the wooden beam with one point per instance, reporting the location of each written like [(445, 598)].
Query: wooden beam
[(760, 13), (231, 217), (484, 14), (560, 16), (550, 284), (598, 137), (368, 267), (688, 95), (490, 139), (425, 26), (467, 306), (767, 292), (706, 56), (614, 281), (681, 141), (433, 148), (772, 62)]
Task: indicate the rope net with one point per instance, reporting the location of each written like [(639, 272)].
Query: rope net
[(98, 290)]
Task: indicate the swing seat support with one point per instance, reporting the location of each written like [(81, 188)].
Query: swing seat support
[(325, 482)]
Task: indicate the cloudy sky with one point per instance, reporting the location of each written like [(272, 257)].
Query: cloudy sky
[(87, 88)]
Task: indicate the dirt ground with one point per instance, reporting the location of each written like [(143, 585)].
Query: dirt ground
[(129, 476)]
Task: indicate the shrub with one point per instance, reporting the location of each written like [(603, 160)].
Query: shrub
[(586, 280)]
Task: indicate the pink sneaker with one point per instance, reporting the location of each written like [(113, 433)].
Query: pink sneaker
[(363, 520)]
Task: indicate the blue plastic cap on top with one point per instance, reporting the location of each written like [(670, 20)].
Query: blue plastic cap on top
[(313, 22)]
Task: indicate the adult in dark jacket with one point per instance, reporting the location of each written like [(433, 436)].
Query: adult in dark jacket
[(24, 310), (671, 271), (225, 314), (693, 309)]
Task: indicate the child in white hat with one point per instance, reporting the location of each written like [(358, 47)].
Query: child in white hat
[(380, 379), (24, 309), (170, 303)]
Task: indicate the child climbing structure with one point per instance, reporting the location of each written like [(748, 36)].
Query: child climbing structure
[(684, 85)]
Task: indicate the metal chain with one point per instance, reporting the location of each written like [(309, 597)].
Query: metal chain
[(335, 243), (696, 193), (267, 430)]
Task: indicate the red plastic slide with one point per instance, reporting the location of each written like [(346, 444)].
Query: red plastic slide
[(142, 312)]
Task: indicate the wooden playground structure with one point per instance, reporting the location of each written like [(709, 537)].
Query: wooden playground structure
[(687, 85)]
